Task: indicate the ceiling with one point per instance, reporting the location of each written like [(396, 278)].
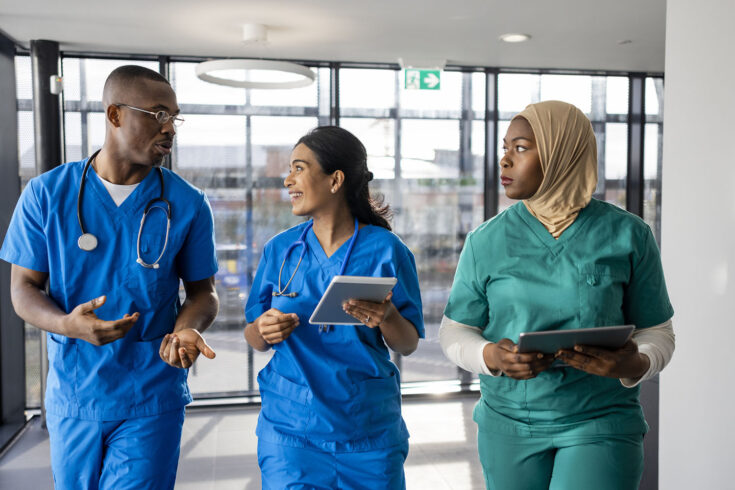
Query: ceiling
[(566, 34)]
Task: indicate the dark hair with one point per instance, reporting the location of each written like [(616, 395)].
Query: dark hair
[(338, 149), (128, 74)]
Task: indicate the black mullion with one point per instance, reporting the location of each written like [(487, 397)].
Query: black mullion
[(164, 70), (491, 144), (334, 94), (12, 333), (636, 126), (249, 236), (397, 203), (598, 117), (83, 110)]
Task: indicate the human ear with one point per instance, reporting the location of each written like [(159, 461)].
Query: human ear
[(113, 115), (338, 178)]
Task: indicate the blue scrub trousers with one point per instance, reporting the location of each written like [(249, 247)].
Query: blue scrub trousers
[(562, 461), (285, 467), (133, 454)]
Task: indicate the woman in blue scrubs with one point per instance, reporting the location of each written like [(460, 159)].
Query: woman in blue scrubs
[(558, 260), (331, 404)]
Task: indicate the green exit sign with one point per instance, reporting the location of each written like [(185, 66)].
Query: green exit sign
[(423, 79)]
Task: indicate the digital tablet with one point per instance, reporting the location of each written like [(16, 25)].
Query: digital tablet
[(329, 310), (551, 341)]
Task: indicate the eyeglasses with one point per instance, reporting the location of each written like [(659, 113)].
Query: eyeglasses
[(161, 116)]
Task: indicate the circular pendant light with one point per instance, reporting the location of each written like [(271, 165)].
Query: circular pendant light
[(256, 74)]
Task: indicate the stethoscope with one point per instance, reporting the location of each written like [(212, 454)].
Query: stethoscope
[(88, 242), (301, 242)]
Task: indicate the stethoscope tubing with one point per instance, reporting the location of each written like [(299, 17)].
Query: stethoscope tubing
[(148, 208), (302, 242)]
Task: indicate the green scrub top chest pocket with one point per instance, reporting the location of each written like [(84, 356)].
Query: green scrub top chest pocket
[(601, 294)]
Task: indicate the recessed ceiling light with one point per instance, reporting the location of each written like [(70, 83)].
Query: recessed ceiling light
[(514, 37)]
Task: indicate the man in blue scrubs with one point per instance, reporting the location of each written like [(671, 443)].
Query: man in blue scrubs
[(119, 339)]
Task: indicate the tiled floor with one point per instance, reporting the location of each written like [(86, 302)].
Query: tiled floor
[(218, 450)]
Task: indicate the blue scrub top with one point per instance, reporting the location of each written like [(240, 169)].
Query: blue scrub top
[(513, 277), (337, 390), (125, 378)]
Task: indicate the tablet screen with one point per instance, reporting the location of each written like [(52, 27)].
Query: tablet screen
[(551, 341), (342, 288)]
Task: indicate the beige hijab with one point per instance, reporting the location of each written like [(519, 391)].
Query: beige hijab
[(568, 152)]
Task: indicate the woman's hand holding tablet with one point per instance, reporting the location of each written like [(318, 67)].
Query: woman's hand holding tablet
[(331, 311), (551, 341), (602, 351), (504, 356)]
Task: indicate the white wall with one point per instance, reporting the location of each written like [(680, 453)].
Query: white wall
[(697, 418)]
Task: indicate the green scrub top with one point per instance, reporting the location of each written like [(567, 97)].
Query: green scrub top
[(513, 277)]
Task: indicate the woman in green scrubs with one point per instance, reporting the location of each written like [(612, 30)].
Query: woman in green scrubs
[(558, 260)]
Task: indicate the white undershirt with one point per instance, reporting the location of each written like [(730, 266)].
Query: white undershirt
[(119, 192), (464, 344)]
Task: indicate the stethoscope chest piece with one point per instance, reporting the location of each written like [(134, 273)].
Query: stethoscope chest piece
[(87, 242)]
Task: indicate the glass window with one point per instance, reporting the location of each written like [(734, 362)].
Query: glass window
[(433, 204), (429, 149), (479, 94), (239, 160), (652, 158), (504, 202), (210, 153), (95, 131), (575, 89), (615, 163), (27, 163), (72, 78), (617, 95), (23, 78), (516, 91), (236, 145), (26, 134), (379, 138), (73, 136), (475, 175), (655, 96), (367, 89), (96, 72), (447, 98), (215, 142), (296, 97), (191, 90), (26, 146), (84, 80)]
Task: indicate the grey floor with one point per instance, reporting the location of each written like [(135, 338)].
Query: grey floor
[(218, 450)]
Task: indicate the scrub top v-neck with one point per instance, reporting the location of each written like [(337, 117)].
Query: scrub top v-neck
[(513, 277), (338, 389)]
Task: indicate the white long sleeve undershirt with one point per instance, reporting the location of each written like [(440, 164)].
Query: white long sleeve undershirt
[(464, 344)]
